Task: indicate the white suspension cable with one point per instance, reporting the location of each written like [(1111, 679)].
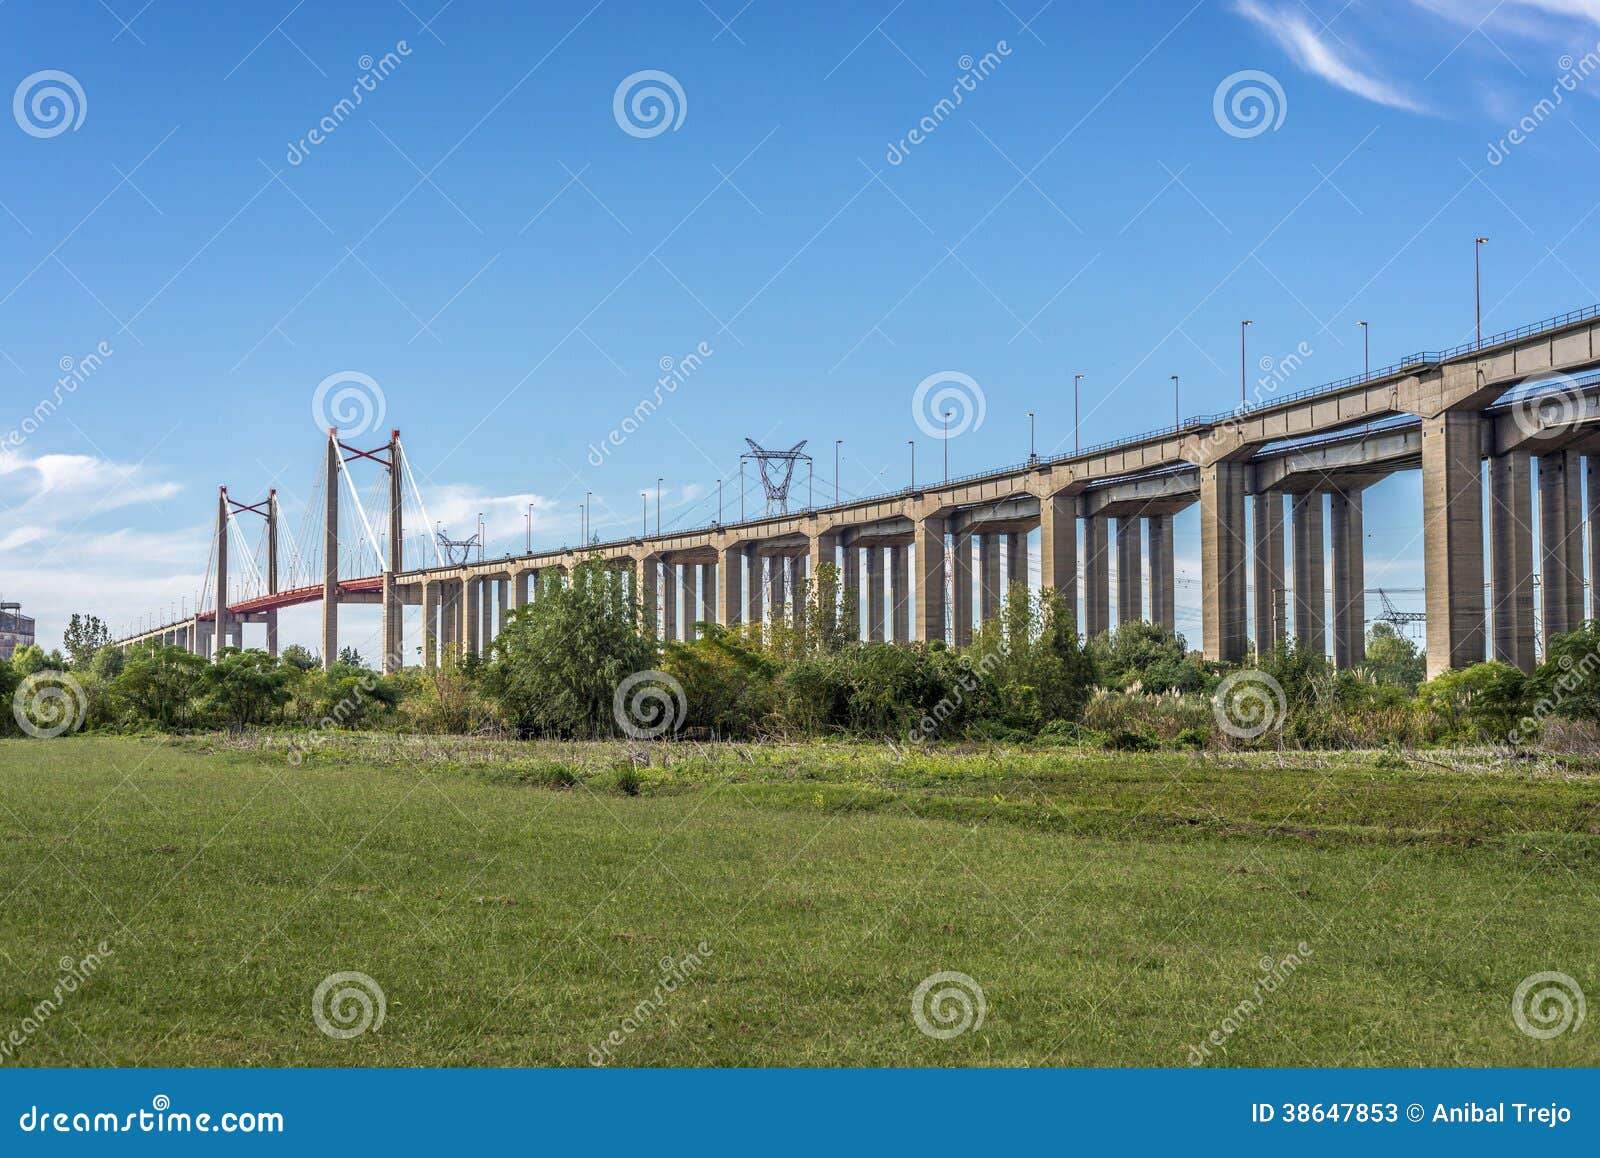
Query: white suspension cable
[(360, 510)]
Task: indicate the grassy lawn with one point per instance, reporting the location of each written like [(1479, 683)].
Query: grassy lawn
[(514, 902)]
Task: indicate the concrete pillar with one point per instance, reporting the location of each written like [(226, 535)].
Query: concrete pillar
[(1310, 590), (1592, 467), (330, 553), (220, 579), (1163, 573), (900, 592), (1096, 575), (1058, 548), (430, 625), (876, 595), (961, 587), (1016, 560), (732, 568), (777, 591), (799, 589), (1560, 545), (472, 615), (850, 593), (485, 615), (1511, 558), (271, 617), (708, 593), (1222, 555), (930, 578), (502, 602), (1452, 532), (1349, 578), (753, 589), (988, 575), (649, 596), (1130, 570), (669, 600), (1271, 611)]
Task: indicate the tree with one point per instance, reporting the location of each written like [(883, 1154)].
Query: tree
[(27, 660), (158, 685), (85, 635), (350, 657), (1393, 659), (298, 657), (246, 687), (557, 663)]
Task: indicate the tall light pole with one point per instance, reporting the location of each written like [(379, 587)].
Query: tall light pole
[(658, 506), (588, 501), (644, 514), (837, 443), (1366, 349), (947, 416), (481, 536), (530, 528), (1033, 453), (719, 502), (912, 443), (1477, 283), (741, 488), (1242, 327), (1176, 420), (1076, 378)]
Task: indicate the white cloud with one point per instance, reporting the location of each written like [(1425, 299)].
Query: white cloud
[(1314, 53)]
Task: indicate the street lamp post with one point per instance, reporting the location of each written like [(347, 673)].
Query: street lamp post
[(1477, 284), (719, 502), (658, 506), (530, 528), (1076, 378), (1033, 452), (644, 514), (1242, 326), (1366, 349), (912, 443), (837, 443), (480, 536), (1176, 420)]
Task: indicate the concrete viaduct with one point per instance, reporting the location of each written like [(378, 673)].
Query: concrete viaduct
[(1298, 464)]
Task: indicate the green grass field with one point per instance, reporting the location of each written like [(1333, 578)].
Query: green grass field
[(513, 902)]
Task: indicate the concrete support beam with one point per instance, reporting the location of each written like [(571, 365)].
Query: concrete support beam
[(988, 576), (930, 578), (1163, 573), (777, 591), (1452, 532), (650, 596), (900, 592), (732, 568), (708, 593), (1016, 559), (1271, 610), (753, 593), (330, 554), (472, 614), (1130, 570), (850, 593), (1560, 544), (1511, 558), (486, 614), (1096, 575), (1058, 548), (430, 625), (1349, 579), (961, 587), (669, 600), (1222, 553), (876, 594), (393, 640), (1310, 577)]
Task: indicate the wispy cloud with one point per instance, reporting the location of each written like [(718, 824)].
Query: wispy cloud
[(1313, 52)]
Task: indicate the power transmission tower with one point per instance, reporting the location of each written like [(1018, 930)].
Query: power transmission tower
[(456, 551), (777, 472), (1399, 620)]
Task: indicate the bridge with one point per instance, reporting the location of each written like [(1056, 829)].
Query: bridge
[(932, 558)]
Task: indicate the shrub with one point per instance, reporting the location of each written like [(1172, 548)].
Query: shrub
[(1482, 702)]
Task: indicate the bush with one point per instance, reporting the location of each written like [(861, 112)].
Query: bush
[(1483, 702)]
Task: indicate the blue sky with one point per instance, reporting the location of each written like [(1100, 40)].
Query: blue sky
[(483, 239)]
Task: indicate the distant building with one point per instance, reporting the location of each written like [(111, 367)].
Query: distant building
[(16, 629)]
